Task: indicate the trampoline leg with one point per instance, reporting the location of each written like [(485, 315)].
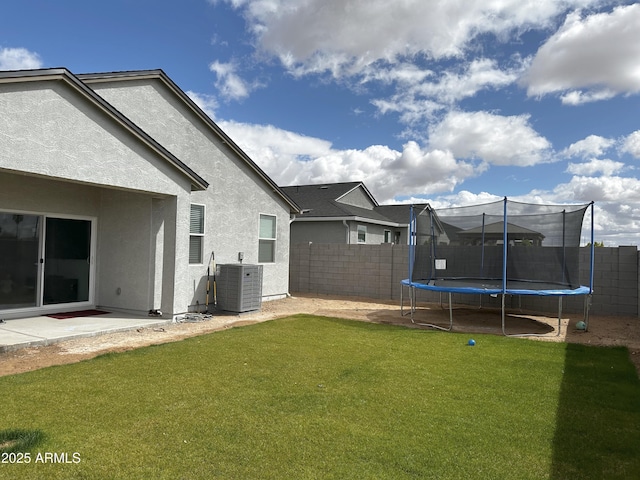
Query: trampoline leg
[(412, 293), (559, 315), (411, 300), (532, 334), (504, 331), (587, 304), (432, 325)]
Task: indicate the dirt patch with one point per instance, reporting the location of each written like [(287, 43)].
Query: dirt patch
[(603, 330)]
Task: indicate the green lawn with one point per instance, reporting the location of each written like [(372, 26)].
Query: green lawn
[(313, 397)]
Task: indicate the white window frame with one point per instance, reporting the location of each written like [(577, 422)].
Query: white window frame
[(387, 236), (271, 240), (362, 228), (198, 234)]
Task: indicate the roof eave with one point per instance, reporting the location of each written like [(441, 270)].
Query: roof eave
[(354, 218)]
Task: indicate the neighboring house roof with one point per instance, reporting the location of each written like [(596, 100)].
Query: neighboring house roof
[(159, 74), (62, 74), (321, 200), (325, 201), (399, 213)]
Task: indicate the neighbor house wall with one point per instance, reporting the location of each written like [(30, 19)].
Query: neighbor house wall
[(319, 232), (236, 195), (375, 271), (357, 198), (375, 233), (337, 232)]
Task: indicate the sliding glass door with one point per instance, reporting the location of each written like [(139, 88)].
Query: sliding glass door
[(19, 257), (44, 261), (67, 260)]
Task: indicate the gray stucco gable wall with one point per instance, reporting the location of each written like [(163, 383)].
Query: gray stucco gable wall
[(237, 194), (358, 197), (56, 133)]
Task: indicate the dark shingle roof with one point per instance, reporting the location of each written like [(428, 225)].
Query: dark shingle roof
[(397, 213), (320, 200)]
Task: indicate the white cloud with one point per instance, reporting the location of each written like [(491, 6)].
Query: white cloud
[(18, 59), (592, 146), (228, 82), (617, 223), (462, 198), (600, 189), (494, 139), (417, 98), (207, 103), (290, 159), (367, 41), (631, 144), (578, 97), (346, 37), (598, 53), (617, 205), (402, 73), (595, 166)]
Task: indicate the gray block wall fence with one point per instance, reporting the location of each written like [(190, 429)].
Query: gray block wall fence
[(375, 271)]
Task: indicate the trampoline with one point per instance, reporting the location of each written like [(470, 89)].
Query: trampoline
[(500, 249)]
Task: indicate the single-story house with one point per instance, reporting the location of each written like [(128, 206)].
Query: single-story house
[(116, 191), (346, 213)]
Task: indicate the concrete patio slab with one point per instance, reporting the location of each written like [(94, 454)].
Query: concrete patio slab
[(42, 330)]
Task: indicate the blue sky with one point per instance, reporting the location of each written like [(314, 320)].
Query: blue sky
[(452, 102)]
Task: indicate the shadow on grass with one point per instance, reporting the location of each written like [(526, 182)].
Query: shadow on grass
[(17, 440), (597, 433)]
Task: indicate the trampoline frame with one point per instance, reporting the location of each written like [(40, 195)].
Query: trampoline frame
[(503, 290)]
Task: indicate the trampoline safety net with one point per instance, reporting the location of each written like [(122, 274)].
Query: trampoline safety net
[(499, 245)]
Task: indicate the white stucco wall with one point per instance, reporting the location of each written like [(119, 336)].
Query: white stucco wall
[(236, 195)]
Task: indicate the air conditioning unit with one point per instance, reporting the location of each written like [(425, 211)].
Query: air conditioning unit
[(239, 287)]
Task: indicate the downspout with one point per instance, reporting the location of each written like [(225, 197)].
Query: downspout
[(346, 225), (292, 217)]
